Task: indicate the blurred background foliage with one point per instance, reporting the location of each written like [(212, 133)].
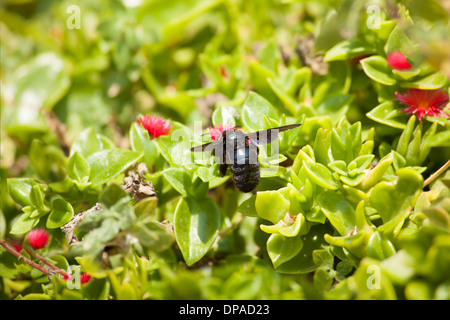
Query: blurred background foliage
[(100, 64)]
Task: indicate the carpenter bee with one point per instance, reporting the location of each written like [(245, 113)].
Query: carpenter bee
[(240, 150)]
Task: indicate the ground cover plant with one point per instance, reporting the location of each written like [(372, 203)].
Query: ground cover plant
[(102, 101)]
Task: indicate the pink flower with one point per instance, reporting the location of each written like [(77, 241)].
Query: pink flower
[(397, 60), (156, 126), (37, 238), (216, 131), (424, 102)]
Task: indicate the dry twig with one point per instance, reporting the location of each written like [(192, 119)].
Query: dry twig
[(69, 227)]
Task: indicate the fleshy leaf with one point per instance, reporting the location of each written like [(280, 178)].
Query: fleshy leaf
[(377, 68), (196, 226), (107, 164), (394, 202), (60, 214), (271, 205), (282, 249), (339, 211)]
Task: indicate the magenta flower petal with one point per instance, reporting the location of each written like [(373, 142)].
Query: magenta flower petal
[(424, 102), (37, 238), (216, 131), (156, 126), (397, 60)]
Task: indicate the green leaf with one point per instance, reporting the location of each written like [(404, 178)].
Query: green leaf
[(440, 139), (271, 205), (196, 226), (247, 207), (439, 213), (406, 74), (179, 179), (405, 137), (61, 213), (289, 101), (321, 145), (338, 166), (359, 164), (153, 235), (398, 41), (335, 107), (429, 82), (394, 202), (78, 168), (282, 249), (355, 244), (323, 258), (352, 180), (348, 49), (88, 142), (379, 246), (253, 111), (8, 268), (322, 279), (107, 164), (377, 68), (399, 267), (225, 115), (259, 75), (321, 175), (140, 141), (412, 154), (338, 210), (385, 113), (43, 80), (47, 159), (291, 229), (375, 174), (25, 223), (20, 189), (303, 261), (37, 199)]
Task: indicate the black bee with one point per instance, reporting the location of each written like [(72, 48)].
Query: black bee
[(240, 150)]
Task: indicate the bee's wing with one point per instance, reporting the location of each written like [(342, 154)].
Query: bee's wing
[(203, 147), (268, 135)]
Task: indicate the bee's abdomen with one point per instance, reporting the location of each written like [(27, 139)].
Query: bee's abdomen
[(245, 176)]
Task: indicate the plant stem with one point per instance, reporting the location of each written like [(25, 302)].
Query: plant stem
[(436, 174), (23, 258), (51, 265)]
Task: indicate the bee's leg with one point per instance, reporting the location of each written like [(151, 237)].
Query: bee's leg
[(223, 169)]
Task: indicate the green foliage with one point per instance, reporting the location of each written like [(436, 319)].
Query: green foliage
[(352, 204)]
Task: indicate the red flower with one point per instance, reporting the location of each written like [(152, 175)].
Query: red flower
[(397, 60), (424, 102), (216, 131), (37, 238), (156, 126), (17, 246), (85, 277)]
